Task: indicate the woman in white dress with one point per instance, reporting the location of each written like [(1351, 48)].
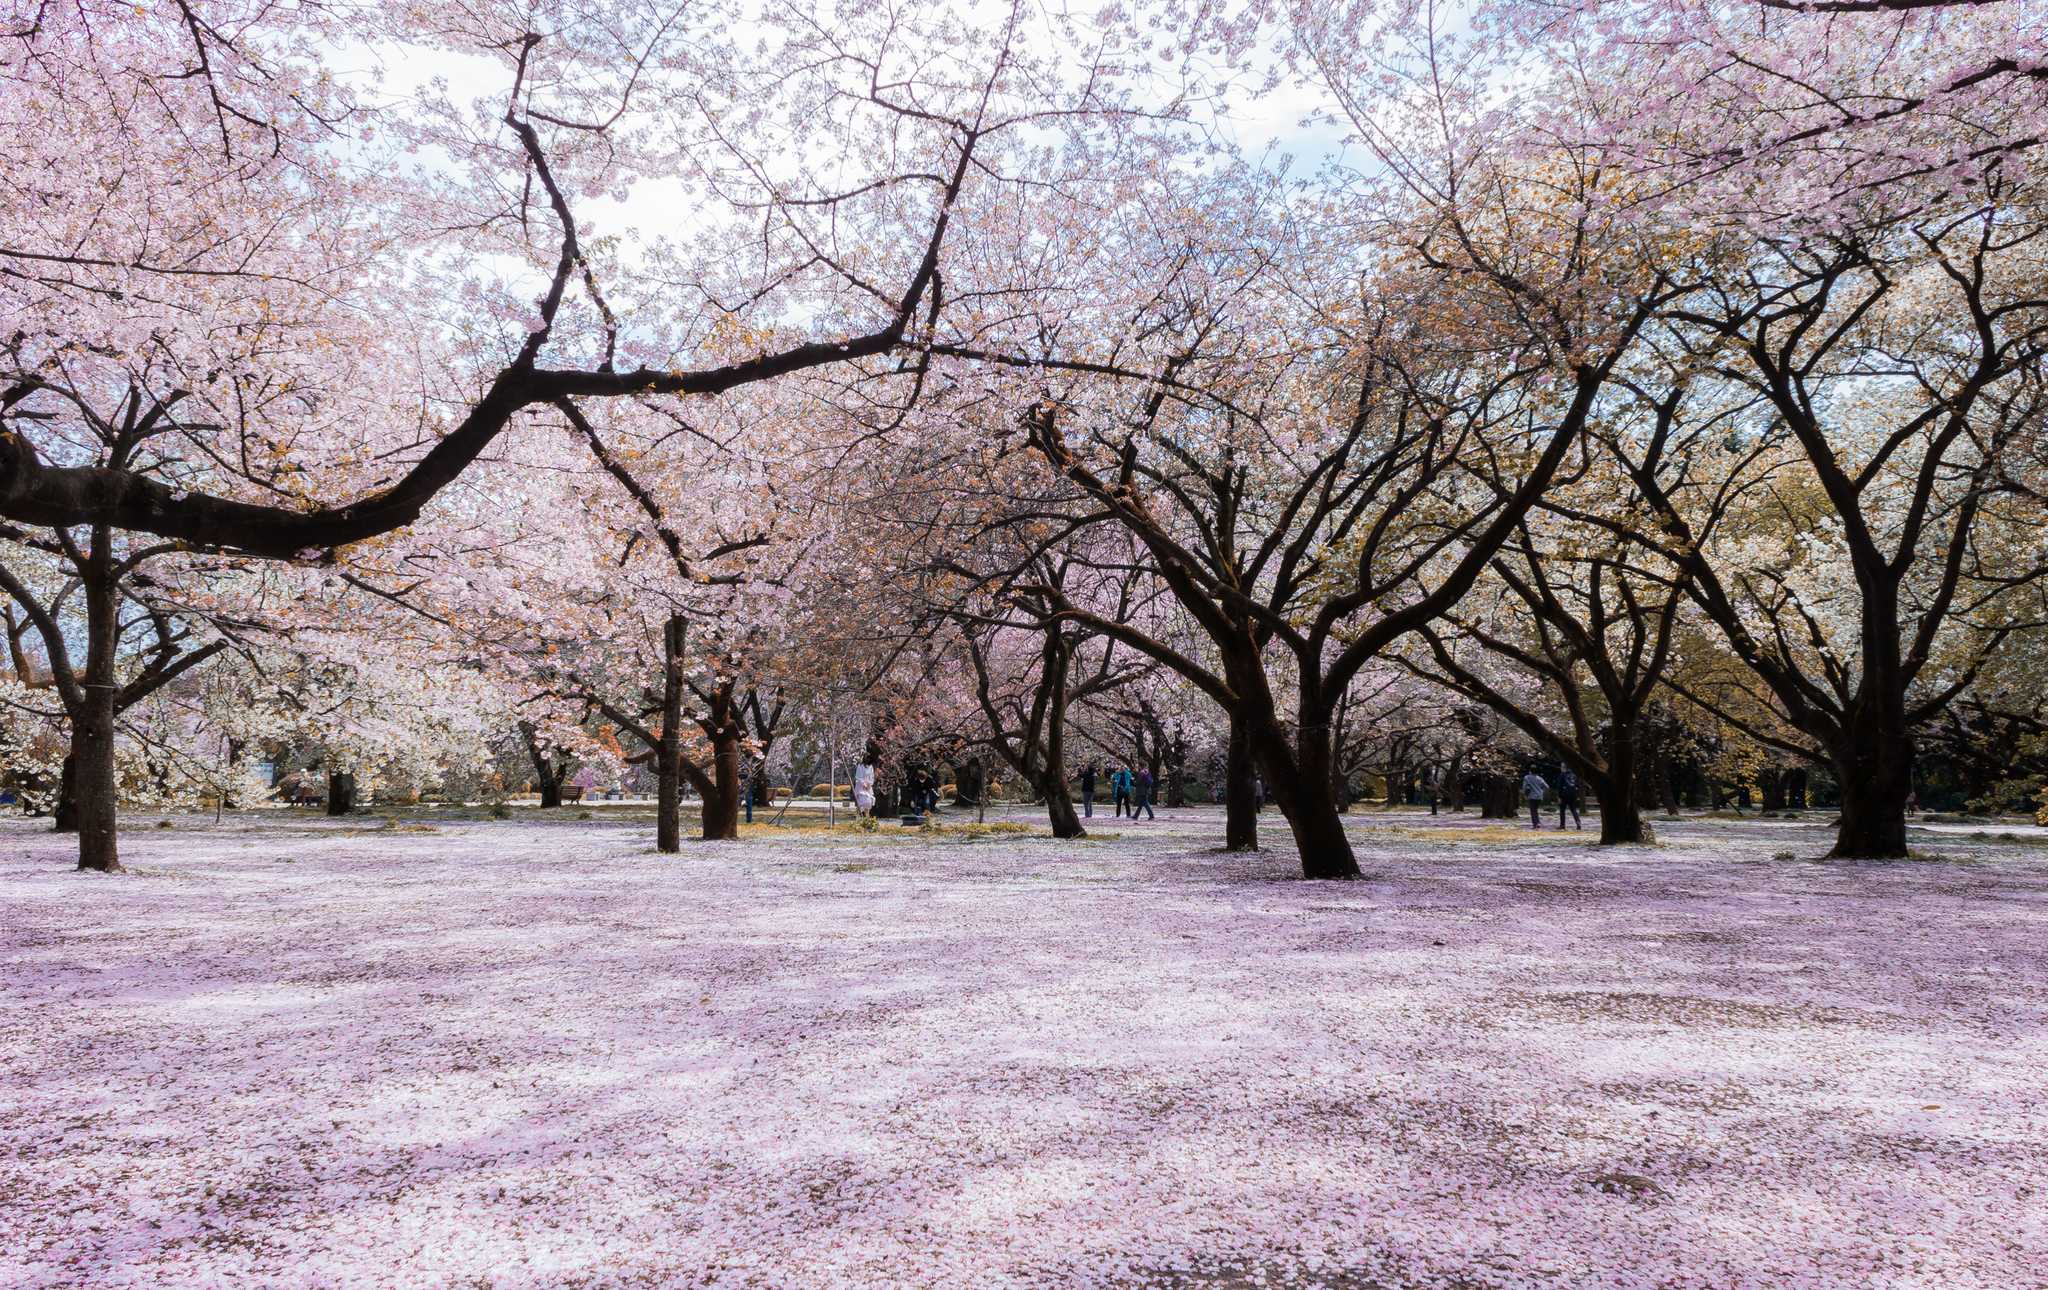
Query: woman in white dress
[(864, 788)]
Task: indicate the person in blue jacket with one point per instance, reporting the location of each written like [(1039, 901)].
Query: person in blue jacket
[(1535, 788)]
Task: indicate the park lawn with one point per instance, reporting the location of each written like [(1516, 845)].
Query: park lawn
[(534, 1053)]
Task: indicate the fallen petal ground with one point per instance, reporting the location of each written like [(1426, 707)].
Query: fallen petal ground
[(537, 1054)]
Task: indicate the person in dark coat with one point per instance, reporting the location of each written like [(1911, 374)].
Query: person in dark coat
[(1568, 798), (1087, 781), (1142, 800), (924, 791)]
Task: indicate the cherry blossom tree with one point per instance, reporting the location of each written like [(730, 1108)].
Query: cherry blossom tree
[(1590, 622), (250, 185), (1349, 487), (145, 617), (1899, 365), (1032, 670), (1782, 114), (300, 342)]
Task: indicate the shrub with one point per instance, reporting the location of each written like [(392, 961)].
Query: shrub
[(2007, 797), (500, 811)]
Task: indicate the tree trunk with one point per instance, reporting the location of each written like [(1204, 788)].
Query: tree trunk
[(668, 802), (1771, 781), (95, 799), (1240, 807), (1621, 812), (1299, 776), (1698, 792), (1621, 815), (341, 793), (64, 819), (1876, 776), (1051, 781), (1319, 834), (228, 801), (668, 757), (969, 783), (1497, 798), (549, 771), (1059, 808), (722, 803)]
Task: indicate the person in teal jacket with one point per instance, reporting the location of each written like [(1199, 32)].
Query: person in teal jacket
[(1120, 789)]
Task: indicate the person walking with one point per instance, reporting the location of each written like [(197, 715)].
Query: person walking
[(1143, 799), (1568, 798), (1087, 782), (1535, 788), (1120, 789), (863, 788)]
